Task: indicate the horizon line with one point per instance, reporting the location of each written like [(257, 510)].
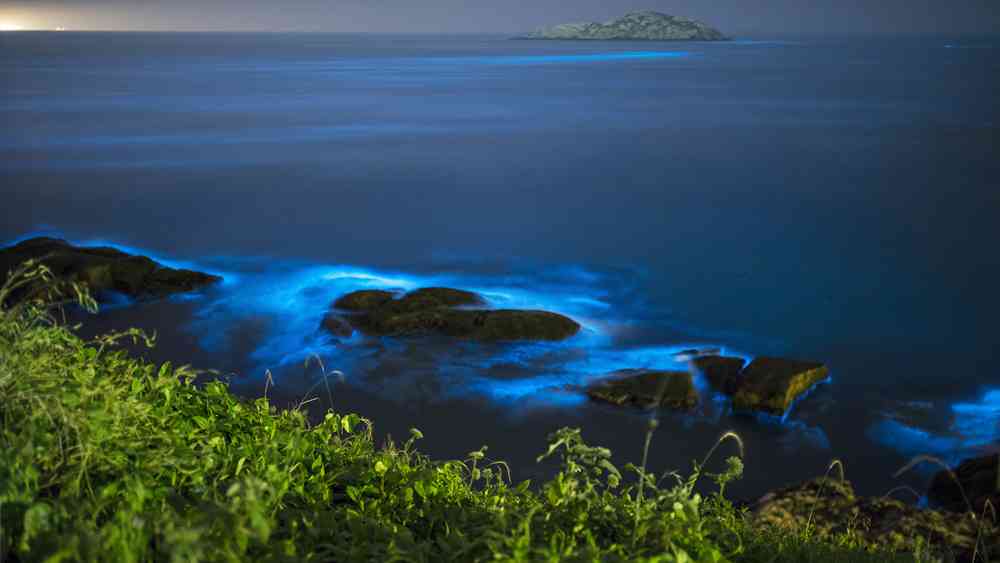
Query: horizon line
[(514, 33)]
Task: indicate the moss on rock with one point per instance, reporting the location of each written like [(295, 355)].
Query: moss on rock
[(771, 385), (647, 389), (104, 269), (829, 507), (436, 310), (364, 300)]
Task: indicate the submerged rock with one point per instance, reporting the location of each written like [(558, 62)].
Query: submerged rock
[(829, 507), (771, 385), (647, 25), (647, 389), (722, 372), (337, 325), (439, 310), (978, 478), (104, 269)]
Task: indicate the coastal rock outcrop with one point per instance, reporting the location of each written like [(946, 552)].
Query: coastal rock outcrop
[(722, 372), (769, 385), (976, 481), (104, 269), (645, 25), (647, 389), (830, 507), (449, 312)]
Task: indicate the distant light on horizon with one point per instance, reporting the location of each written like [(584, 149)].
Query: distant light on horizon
[(11, 26)]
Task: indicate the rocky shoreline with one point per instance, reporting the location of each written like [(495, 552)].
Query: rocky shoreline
[(828, 506), (961, 524)]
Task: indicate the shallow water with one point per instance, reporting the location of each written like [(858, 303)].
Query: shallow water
[(824, 198)]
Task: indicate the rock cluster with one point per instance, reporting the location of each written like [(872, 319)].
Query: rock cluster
[(769, 385), (830, 507), (104, 269), (647, 25), (445, 311)]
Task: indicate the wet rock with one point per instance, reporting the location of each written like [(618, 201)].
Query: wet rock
[(440, 310), (647, 389), (104, 269), (978, 478), (364, 300), (830, 507), (771, 385), (337, 325), (722, 372), (434, 297)]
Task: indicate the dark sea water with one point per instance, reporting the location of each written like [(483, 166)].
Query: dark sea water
[(835, 199)]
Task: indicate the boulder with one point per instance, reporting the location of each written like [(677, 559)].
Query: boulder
[(647, 389), (441, 310), (104, 269), (433, 297), (722, 372), (978, 478), (364, 300), (771, 385), (829, 507)]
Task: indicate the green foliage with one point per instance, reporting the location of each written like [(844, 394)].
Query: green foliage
[(107, 457)]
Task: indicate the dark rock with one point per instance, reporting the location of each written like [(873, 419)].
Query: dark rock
[(436, 310), (646, 25), (104, 269), (647, 389), (722, 372), (337, 325), (829, 507), (980, 480), (476, 325), (433, 297), (771, 385), (364, 300)]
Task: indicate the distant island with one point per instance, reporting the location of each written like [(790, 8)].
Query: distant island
[(647, 26)]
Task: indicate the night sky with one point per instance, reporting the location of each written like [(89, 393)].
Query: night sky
[(737, 17)]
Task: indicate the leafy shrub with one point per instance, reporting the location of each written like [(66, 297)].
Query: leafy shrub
[(108, 457)]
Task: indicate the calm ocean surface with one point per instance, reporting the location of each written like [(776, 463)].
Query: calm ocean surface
[(835, 199)]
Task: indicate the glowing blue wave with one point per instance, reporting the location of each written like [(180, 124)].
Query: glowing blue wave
[(549, 59), (974, 428), (288, 300)]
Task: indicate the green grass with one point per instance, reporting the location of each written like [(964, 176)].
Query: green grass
[(107, 457)]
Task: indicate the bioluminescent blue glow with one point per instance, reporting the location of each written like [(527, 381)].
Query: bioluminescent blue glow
[(287, 302), (974, 427), (294, 300), (550, 59)]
